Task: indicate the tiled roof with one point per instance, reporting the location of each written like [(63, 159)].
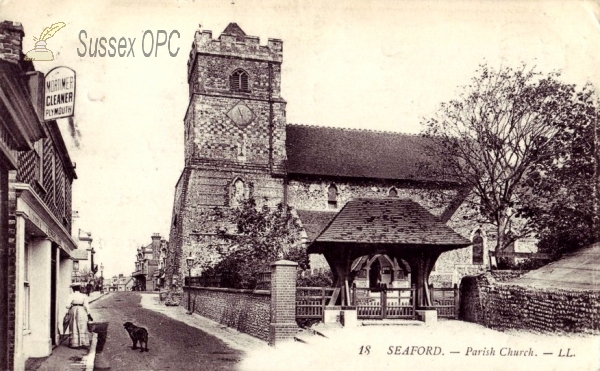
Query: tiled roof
[(389, 221), (314, 221), (325, 151)]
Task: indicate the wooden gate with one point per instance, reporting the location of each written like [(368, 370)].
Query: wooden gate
[(391, 303), (445, 300), (311, 301)]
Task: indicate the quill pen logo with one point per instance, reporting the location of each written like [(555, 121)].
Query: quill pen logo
[(40, 52)]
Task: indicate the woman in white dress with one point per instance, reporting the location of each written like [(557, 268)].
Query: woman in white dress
[(79, 310)]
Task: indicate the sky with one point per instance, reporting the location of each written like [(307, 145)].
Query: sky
[(381, 65)]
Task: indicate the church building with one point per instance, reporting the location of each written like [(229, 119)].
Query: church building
[(238, 144)]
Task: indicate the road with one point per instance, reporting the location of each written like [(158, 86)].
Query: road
[(172, 345)]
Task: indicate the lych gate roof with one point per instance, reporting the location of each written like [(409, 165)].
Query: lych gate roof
[(314, 150), (389, 221)]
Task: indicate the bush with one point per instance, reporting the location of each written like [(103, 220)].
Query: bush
[(324, 279)]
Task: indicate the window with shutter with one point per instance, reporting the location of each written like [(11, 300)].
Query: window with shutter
[(238, 81)]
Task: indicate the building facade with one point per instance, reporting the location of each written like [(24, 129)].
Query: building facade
[(239, 145), (149, 265), (125, 283), (37, 245)]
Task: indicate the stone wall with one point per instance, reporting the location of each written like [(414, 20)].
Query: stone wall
[(311, 193), (244, 310), (503, 306)]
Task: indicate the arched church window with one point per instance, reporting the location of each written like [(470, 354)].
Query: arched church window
[(332, 194), (393, 192), (478, 247), (238, 193), (238, 81)]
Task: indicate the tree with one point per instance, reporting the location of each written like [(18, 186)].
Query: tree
[(563, 186), (492, 137), (263, 235)]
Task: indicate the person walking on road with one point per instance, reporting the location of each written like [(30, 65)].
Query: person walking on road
[(79, 312)]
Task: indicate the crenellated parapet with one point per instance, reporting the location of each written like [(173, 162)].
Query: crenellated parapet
[(233, 42)]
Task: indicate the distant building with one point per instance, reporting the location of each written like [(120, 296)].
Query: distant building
[(113, 283), (79, 257), (36, 176), (149, 265), (106, 284), (125, 283)]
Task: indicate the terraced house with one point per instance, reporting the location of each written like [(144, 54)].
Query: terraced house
[(37, 244), (149, 265)]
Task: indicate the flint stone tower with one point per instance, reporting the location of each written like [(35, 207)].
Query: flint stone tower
[(234, 134)]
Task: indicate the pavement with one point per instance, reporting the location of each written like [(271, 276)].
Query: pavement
[(64, 358)]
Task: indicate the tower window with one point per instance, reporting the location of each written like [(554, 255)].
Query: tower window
[(332, 194), (393, 192), (238, 81)]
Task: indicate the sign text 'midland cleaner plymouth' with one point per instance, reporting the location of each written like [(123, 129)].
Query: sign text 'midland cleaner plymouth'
[(59, 98)]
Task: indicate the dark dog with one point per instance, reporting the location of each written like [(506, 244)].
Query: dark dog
[(137, 334)]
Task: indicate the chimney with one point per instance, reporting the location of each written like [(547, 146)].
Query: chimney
[(11, 41), (155, 245)]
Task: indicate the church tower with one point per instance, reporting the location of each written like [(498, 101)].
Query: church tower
[(235, 132), (235, 123), (236, 116)]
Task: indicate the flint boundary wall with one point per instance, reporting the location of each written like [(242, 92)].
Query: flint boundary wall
[(246, 311), (492, 303), (266, 315)]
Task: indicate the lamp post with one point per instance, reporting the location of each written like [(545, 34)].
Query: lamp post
[(190, 263), (101, 277)]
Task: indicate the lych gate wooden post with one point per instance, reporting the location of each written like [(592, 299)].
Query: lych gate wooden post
[(384, 304), (413, 290), (456, 301), (432, 298)]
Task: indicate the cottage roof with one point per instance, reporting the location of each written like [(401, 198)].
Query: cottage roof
[(325, 151), (389, 221)]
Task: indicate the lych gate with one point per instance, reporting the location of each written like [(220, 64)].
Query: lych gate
[(381, 253)]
